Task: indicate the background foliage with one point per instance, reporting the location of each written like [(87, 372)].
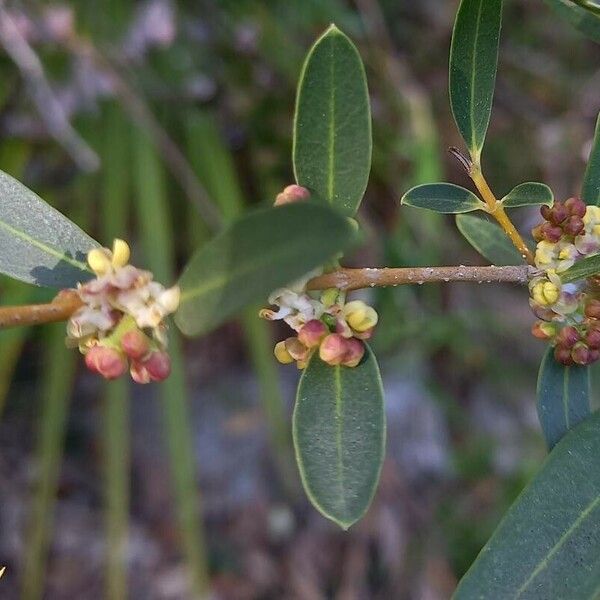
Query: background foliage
[(189, 107)]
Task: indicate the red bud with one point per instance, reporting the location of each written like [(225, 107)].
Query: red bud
[(312, 333), (158, 365), (135, 344), (576, 206), (107, 362)]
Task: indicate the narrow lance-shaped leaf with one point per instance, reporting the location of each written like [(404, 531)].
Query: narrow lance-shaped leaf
[(586, 267), (38, 244), (548, 544), (262, 251), (585, 18), (473, 65), (528, 194), (590, 191), (489, 240), (563, 397), (339, 435), (332, 128), (443, 198)]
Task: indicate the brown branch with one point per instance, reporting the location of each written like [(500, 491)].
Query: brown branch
[(60, 309), (354, 279)]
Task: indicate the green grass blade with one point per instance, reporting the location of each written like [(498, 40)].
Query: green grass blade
[(116, 183), (214, 165), (157, 236), (56, 392)]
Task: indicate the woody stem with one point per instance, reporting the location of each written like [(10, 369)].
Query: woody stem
[(354, 279), (60, 309)]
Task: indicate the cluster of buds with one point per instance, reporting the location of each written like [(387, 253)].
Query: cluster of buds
[(324, 323), (569, 314), (121, 325)]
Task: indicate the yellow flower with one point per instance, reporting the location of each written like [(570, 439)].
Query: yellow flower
[(545, 293), (103, 261), (360, 316), (281, 353)]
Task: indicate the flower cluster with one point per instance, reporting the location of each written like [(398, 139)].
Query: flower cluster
[(569, 313), (121, 323), (324, 323)]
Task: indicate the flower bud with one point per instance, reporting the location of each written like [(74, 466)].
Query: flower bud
[(592, 309), (558, 213), (292, 193), (551, 233), (537, 233), (573, 226), (312, 333), (120, 253), (567, 336), (333, 349), (139, 373), (563, 355), (360, 316), (107, 362), (169, 299), (580, 354), (135, 344), (99, 261), (364, 335), (594, 355), (355, 350), (281, 353), (158, 365), (543, 330), (329, 297), (296, 348), (592, 337), (576, 207), (545, 212)]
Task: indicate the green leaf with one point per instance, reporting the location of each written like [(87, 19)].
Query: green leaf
[(332, 127), (586, 267), (442, 198), (590, 191), (548, 544), (489, 240), (260, 252), (563, 397), (527, 194), (38, 244), (583, 15), (473, 65), (339, 436)]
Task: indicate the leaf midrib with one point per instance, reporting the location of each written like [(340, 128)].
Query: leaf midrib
[(473, 78), (48, 249), (339, 425), (331, 128), (543, 564)]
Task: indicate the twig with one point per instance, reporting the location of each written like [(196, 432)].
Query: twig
[(60, 309), (48, 106), (354, 279)]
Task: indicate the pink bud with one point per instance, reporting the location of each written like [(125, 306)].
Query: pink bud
[(312, 333), (158, 365), (107, 362), (135, 344), (355, 350), (580, 354), (139, 373), (292, 193), (333, 349), (365, 335)]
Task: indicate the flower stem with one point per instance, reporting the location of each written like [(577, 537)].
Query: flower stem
[(354, 279)]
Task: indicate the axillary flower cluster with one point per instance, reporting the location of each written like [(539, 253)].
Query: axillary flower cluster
[(569, 313), (121, 324), (323, 321)]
